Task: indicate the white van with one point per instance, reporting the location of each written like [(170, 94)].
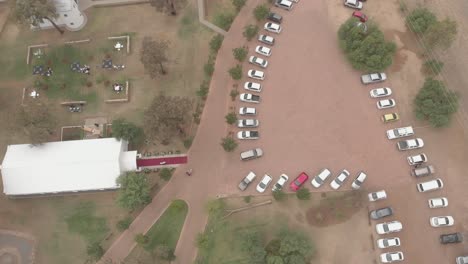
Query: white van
[(430, 185)]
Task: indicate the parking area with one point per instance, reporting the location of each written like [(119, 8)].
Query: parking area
[(315, 113)]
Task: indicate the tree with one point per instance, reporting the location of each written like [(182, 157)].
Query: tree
[(94, 251), (153, 54), (202, 241), (134, 190), (279, 195), (33, 12), (168, 6), (124, 224), (229, 144), (165, 174), (250, 31), (441, 34), (303, 194), (420, 19), (122, 129), (203, 90), (37, 122), (261, 12), (271, 259), (295, 259), (223, 20), (293, 242), (166, 117), (240, 53), (164, 252), (236, 72), (231, 118), (433, 67), (366, 51), (435, 103), (252, 244), (216, 42), (238, 4)]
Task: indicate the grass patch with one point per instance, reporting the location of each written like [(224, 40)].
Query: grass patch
[(13, 63), (189, 24), (84, 222)]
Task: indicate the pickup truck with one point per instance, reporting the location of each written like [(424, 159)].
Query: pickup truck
[(250, 98), (246, 181), (373, 78), (410, 144), (400, 132), (249, 134)]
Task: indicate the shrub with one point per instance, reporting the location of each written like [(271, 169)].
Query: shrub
[(94, 251), (261, 12), (188, 142), (240, 53), (124, 224), (229, 144), (209, 68), (420, 19), (165, 174), (234, 93), (223, 20), (250, 31), (279, 195), (441, 34), (203, 90), (202, 241), (303, 194), (231, 118), (141, 239), (238, 4), (215, 42), (236, 72), (248, 198), (433, 67)]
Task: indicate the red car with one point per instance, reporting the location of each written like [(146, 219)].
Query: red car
[(361, 16), (301, 179)]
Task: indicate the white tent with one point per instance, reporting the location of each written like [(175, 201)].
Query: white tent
[(68, 166)]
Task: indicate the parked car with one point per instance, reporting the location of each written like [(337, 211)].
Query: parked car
[(438, 202), (248, 134), (254, 74), (380, 92), (408, 144), (423, 171), (283, 179), (247, 123), (375, 196), (338, 181), (285, 4), (299, 181), (388, 227), (272, 27), (251, 154), (249, 98), (360, 15), (246, 181), (430, 185), (441, 221), (390, 257), (400, 132), (462, 260), (381, 213), (253, 86), (417, 159), (258, 61), (277, 18), (262, 50), (388, 242), (318, 180), (387, 118), (353, 4), (263, 184), (267, 39), (451, 238), (359, 180), (386, 103), (247, 111), (373, 77)]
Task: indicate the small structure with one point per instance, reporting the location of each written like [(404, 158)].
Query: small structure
[(38, 70), (68, 16), (65, 167), (107, 63)]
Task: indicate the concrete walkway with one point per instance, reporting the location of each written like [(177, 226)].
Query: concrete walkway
[(207, 159)]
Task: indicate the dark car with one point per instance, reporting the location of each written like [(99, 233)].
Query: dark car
[(275, 17), (381, 213), (451, 238)]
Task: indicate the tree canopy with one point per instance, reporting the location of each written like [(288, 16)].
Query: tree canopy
[(441, 34), (261, 12), (134, 190), (420, 19), (123, 129), (366, 50), (35, 11), (153, 55), (435, 103)]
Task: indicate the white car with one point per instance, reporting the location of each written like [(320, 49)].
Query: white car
[(249, 98), (375, 196), (388, 242), (390, 257), (430, 185), (248, 134), (254, 74), (386, 103), (318, 180), (388, 227), (338, 181), (258, 61), (253, 86), (353, 4), (247, 111), (373, 77), (263, 184), (417, 159), (359, 181), (283, 179), (267, 39), (272, 27), (441, 221), (262, 50), (285, 4), (247, 123), (380, 92), (438, 202), (408, 144), (400, 132)]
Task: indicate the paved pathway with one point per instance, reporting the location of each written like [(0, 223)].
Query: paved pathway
[(207, 160)]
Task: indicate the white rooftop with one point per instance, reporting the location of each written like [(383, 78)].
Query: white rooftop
[(68, 166)]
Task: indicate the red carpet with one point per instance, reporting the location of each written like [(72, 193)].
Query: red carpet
[(165, 160)]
